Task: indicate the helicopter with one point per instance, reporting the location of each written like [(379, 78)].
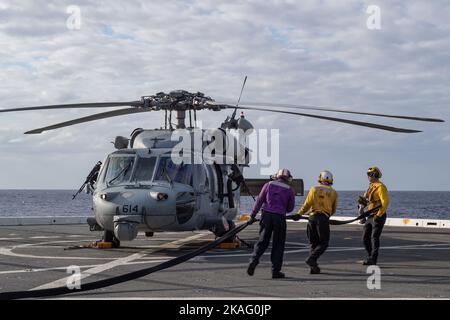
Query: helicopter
[(141, 188)]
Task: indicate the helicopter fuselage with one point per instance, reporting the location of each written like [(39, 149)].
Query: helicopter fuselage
[(141, 188)]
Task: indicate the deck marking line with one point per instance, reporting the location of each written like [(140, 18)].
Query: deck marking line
[(118, 262)]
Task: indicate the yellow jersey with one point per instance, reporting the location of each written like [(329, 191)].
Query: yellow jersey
[(377, 194), (321, 198)]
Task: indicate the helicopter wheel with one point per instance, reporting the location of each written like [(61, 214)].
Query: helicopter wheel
[(108, 236)]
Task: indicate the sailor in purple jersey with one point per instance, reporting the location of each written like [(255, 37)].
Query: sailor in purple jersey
[(275, 200)]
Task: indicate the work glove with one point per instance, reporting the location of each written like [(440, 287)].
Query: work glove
[(296, 217), (362, 201), (252, 219), (360, 212)]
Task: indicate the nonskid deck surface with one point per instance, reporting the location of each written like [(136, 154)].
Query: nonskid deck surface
[(414, 263)]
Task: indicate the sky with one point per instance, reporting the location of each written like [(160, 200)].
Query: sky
[(310, 52)]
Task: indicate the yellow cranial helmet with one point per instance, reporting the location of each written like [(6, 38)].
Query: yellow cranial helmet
[(374, 172)]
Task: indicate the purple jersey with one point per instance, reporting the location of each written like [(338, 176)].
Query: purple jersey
[(275, 197)]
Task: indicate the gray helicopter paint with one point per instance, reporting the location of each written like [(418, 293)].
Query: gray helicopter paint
[(128, 207)]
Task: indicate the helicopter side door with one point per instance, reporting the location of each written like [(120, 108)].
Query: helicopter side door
[(204, 189)]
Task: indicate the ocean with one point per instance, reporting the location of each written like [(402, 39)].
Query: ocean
[(404, 204)]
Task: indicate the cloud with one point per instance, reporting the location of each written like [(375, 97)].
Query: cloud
[(304, 53)]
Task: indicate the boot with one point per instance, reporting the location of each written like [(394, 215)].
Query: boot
[(369, 262), (311, 262), (251, 268), (278, 275), (315, 270)]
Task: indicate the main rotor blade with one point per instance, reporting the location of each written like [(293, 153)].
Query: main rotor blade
[(93, 117), (262, 104), (78, 105), (353, 122)]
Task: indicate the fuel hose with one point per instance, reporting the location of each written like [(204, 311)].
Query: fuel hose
[(51, 292), (341, 222)]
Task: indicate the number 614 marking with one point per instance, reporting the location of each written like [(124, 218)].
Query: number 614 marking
[(129, 208)]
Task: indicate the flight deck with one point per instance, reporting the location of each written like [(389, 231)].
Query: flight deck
[(414, 263)]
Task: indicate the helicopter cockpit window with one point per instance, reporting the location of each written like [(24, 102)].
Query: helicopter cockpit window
[(169, 171), (119, 170), (144, 169)]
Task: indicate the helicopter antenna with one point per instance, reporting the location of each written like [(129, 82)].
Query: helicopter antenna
[(165, 119), (239, 100), (195, 117), (190, 118), (170, 119)]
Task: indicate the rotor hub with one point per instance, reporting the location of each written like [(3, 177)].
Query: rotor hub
[(179, 100)]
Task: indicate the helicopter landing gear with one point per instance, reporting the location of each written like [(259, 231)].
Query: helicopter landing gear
[(108, 236), (231, 242)]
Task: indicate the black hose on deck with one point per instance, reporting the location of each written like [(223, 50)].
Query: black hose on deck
[(123, 278), (340, 222)]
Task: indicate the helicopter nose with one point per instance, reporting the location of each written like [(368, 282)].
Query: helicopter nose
[(153, 208), (125, 210)]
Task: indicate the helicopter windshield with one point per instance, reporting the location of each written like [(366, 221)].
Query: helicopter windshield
[(169, 171), (144, 169), (119, 169)]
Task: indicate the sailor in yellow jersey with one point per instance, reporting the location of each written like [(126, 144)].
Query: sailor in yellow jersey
[(376, 195), (321, 203)]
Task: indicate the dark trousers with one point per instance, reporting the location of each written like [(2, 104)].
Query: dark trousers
[(318, 231), (275, 224), (371, 236)]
